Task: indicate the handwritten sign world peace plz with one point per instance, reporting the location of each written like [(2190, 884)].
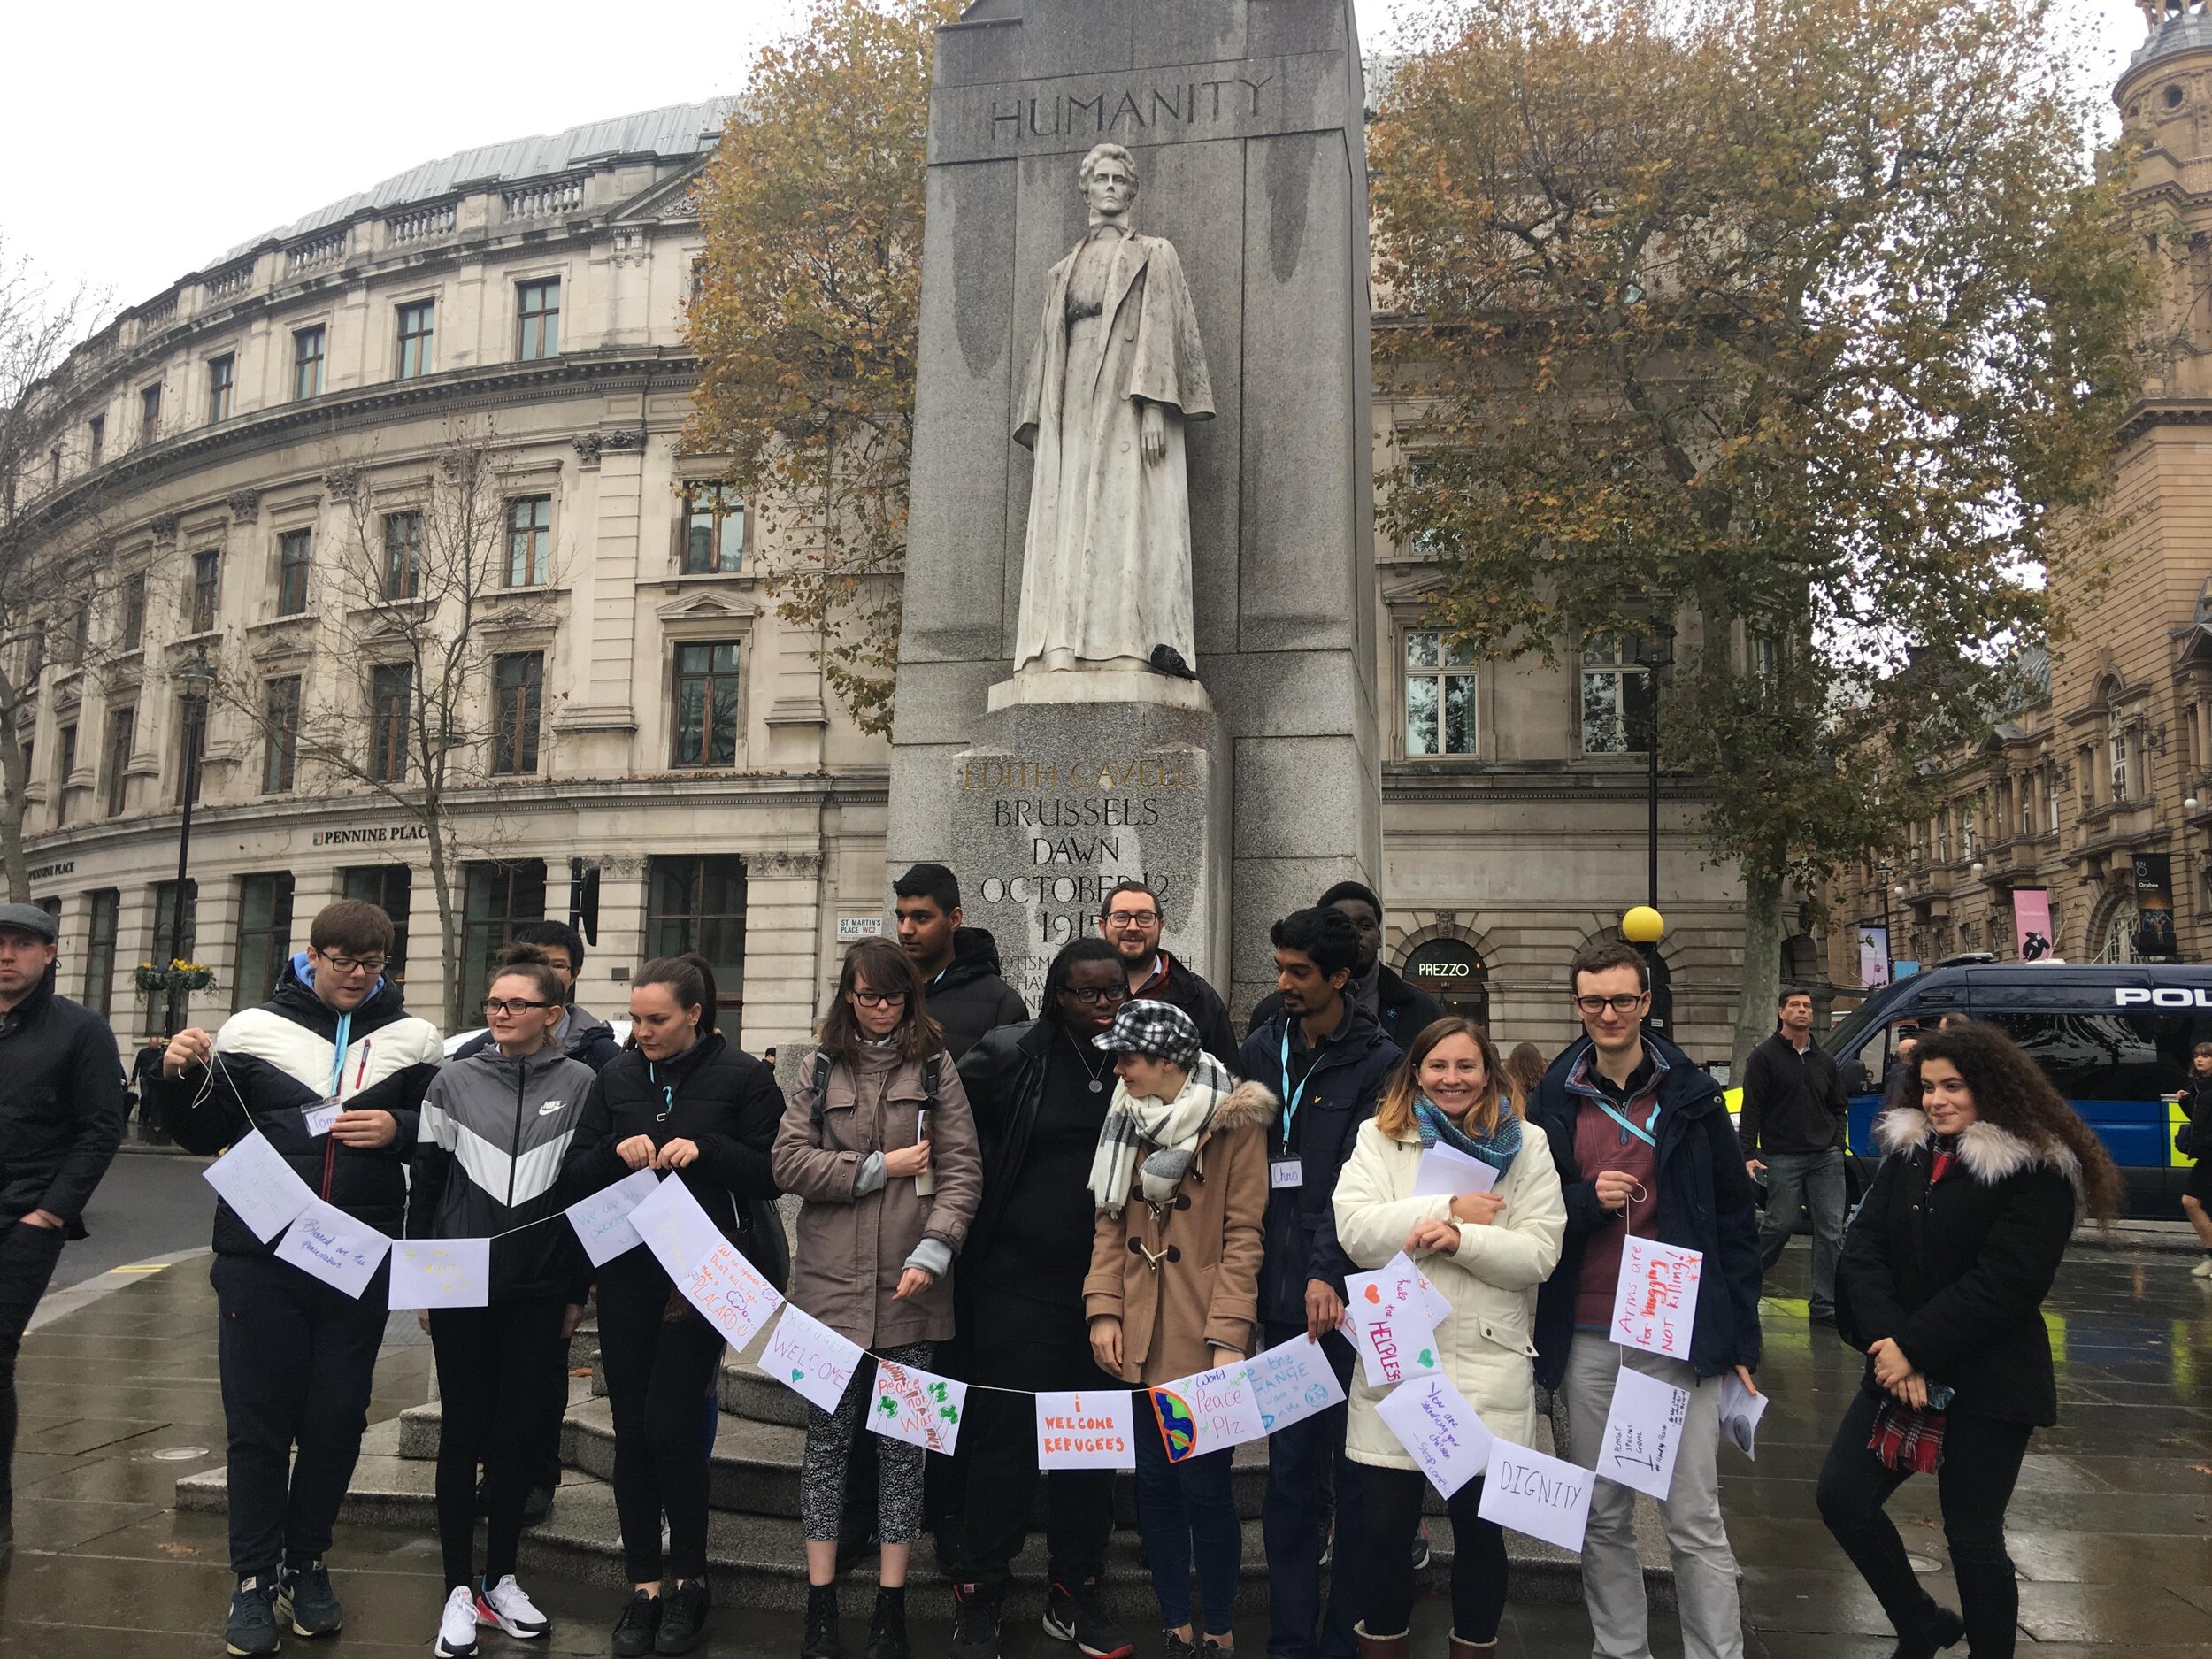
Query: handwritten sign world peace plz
[(1655, 1304)]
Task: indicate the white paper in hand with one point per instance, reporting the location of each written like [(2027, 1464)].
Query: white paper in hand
[(602, 1221), (1207, 1411), (441, 1272), (260, 1188), (1545, 1497), (1086, 1431), (809, 1358), (918, 1407), (1740, 1410), (1643, 1432), (1655, 1304), (325, 1241), (679, 1233), (1446, 1436), (1446, 1172), (1292, 1382)]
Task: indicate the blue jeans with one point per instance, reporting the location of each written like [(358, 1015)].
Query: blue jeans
[(1304, 1462), (1812, 1181), (1186, 1509)]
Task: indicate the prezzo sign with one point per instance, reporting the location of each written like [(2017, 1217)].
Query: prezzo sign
[(2161, 996)]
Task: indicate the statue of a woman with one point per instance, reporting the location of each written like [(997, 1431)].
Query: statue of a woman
[(1118, 368)]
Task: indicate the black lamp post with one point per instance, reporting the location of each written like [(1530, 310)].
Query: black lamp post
[(1658, 656), (192, 679)]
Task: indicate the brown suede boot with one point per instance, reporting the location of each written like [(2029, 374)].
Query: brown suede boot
[(1473, 1649), (1381, 1647)]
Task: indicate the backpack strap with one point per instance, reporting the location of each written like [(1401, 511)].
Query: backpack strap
[(933, 1081), (821, 1084)]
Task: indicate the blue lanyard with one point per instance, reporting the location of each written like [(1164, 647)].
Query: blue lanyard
[(668, 1090), (1643, 1134), (343, 1041), (1291, 1096)]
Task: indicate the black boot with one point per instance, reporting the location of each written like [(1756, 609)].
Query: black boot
[(821, 1624), (1937, 1628), (887, 1630)]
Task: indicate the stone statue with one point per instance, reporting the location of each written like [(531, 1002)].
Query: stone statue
[(1118, 368)]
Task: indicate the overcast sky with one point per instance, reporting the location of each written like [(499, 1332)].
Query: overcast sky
[(147, 141)]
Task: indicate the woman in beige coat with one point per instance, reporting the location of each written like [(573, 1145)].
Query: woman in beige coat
[(1180, 1182), (1485, 1252), (880, 1145)]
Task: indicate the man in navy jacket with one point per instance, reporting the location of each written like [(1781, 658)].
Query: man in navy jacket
[(1642, 1143)]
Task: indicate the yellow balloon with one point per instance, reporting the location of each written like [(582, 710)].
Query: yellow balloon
[(1643, 925)]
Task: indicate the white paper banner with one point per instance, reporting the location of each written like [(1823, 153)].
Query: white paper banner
[(1096, 1430), (331, 1245), (602, 1221), (1445, 1435), (809, 1358), (730, 1291), (1292, 1382), (1740, 1410), (918, 1407), (441, 1272), (1208, 1411), (679, 1233), (1545, 1497), (1643, 1432), (1655, 1304), (260, 1188), (1392, 1319), (1446, 1172)]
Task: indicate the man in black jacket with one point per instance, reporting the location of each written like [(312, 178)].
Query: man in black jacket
[(1796, 1117), (958, 965), (298, 1356), (1132, 921), (1401, 1009), (61, 1118)]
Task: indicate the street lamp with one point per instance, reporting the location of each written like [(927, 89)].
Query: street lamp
[(1889, 939), (1658, 656), (194, 681), (1644, 927)]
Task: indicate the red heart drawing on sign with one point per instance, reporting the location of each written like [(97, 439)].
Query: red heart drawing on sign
[(1373, 1294)]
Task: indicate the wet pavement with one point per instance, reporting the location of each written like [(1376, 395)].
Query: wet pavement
[(2111, 1528)]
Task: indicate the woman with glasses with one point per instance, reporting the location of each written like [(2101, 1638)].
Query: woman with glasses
[(683, 1100), (495, 1129), (879, 1144)]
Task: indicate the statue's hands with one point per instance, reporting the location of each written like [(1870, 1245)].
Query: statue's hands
[(1152, 433)]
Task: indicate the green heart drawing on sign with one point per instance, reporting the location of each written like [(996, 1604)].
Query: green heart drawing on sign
[(797, 1375), (1428, 1359)]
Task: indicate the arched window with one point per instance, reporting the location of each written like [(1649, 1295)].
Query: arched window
[(1452, 972)]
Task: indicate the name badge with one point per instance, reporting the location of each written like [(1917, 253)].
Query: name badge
[(1283, 1172), (321, 1117)]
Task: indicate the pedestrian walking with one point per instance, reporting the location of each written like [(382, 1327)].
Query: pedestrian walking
[(1485, 1252), (1641, 1141), (61, 1114), (145, 1073), (879, 1146), (1039, 1094), (1945, 1271), (1131, 920), (958, 966), (1401, 1008), (2196, 1196), (1796, 1119), (1525, 1067), (683, 1100), (1329, 1060), (1179, 1181), (298, 1356)]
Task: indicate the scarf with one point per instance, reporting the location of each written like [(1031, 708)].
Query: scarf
[(1908, 1438), (1165, 1132), (1498, 1149)]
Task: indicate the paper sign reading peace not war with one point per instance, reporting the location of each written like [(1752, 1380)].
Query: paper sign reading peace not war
[(731, 1292), (1292, 1382), (1655, 1304), (1545, 1497), (602, 1221), (261, 1188), (918, 1407), (1208, 1411), (1094, 1430), (1433, 1421), (1392, 1326), (1643, 1432), (441, 1272), (331, 1245), (809, 1358)]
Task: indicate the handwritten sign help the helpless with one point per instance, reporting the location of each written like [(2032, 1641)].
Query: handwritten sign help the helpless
[(1655, 1304), (1391, 1314)]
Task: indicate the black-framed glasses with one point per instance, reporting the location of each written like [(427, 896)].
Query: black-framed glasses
[(1131, 918), (880, 999), (1092, 995), (1623, 1003), (345, 967), (496, 1005)]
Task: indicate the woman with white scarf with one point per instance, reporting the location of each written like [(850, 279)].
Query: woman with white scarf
[(1180, 1182)]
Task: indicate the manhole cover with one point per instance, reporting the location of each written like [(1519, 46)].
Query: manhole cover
[(173, 1454), (1924, 1563)]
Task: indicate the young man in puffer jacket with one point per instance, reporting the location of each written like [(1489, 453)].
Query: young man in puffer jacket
[(296, 1356)]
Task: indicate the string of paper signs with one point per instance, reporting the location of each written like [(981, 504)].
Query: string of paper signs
[(1391, 1319)]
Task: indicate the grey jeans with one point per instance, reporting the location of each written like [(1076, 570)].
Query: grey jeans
[(1812, 1182), (1612, 1575)]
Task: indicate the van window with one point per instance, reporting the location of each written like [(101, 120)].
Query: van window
[(2109, 1056)]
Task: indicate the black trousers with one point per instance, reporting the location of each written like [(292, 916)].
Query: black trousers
[(297, 1359), (658, 1371), (1974, 1480), (497, 1368), (27, 1256), (1386, 1553), (998, 1450)]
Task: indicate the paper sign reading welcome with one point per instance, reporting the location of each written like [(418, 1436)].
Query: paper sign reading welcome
[(1655, 1304), (261, 1188), (809, 1358), (1091, 1430)]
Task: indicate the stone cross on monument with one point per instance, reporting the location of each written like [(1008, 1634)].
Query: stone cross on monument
[(1143, 451)]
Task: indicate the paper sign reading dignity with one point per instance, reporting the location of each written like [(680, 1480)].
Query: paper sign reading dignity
[(602, 1221), (678, 1231), (809, 1358), (1207, 1412), (1655, 1303), (1392, 1325), (328, 1243), (260, 1188), (1740, 1410), (441, 1272), (918, 1407), (1643, 1432), (1096, 1430), (1445, 1435), (731, 1292), (1446, 1172), (1545, 1497), (1292, 1382)]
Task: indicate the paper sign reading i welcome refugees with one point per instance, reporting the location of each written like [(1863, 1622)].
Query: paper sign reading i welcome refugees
[(1094, 1430)]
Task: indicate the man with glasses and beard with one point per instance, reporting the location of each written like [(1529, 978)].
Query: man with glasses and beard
[(1131, 920)]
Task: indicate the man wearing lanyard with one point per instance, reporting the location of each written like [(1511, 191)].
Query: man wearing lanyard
[(1326, 1058), (1642, 1143)]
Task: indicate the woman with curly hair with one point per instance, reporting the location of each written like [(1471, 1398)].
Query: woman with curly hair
[(1942, 1283)]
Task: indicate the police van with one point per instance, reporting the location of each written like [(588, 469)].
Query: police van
[(2116, 1040)]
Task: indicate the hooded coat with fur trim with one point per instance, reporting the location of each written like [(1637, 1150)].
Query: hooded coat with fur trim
[(1185, 1278), (1954, 1271)]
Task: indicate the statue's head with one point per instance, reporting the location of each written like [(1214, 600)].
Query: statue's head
[(1108, 178)]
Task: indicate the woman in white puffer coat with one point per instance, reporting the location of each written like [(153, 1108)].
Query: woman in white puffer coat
[(1485, 1253)]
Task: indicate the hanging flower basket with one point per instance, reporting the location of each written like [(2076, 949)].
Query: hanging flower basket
[(178, 976)]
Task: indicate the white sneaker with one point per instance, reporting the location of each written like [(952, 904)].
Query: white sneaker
[(456, 1625), (505, 1606), (2202, 1270)]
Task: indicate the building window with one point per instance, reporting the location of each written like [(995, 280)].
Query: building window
[(1615, 681), (402, 555), (495, 897), (222, 378), (2050, 799), (96, 430), (2116, 751), (417, 325), (2027, 803), (391, 706), (293, 548), (265, 937), (307, 362), (149, 413), (714, 531), (99, 951), (79, 632), (388, 887), (1439, 696), (122, 734), (529, 541), (280, 725), (68, 763), (165, 947), (538, 320), (706, 705), (698, 903), (207, 577), (517, 691), (135, 613)]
